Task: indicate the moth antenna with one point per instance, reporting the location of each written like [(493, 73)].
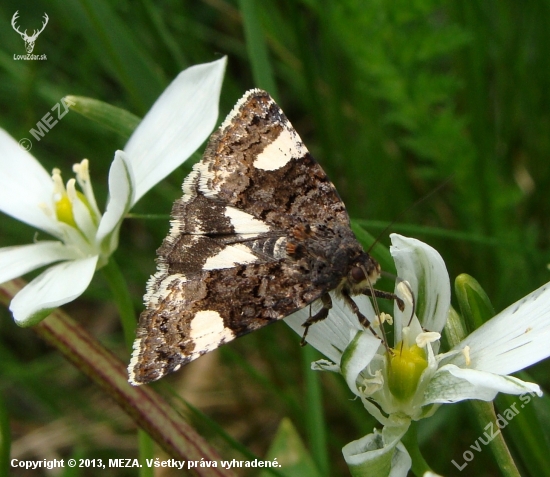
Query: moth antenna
[(377, 311), (408, 209), (384, 232)]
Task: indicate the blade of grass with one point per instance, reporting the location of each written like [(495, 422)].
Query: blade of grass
[(257, 48), (164, 33), (314, 415), (5, 440), (413, 230)]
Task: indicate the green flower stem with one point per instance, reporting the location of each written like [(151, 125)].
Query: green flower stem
[(315, 420), (147, 408), (484, 413), (410, 441)]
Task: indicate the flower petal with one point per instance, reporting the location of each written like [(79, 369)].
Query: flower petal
[(451, 384), (325, 365), (56, 286), (76, 239), (84, 220), (121, 197), (332, 335), (357, 356), (424, 269), (380, 454), (24, 186), (177, 124), (18, 260), (515, 338)]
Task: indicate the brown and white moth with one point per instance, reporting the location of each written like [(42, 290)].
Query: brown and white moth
[(259, 233)]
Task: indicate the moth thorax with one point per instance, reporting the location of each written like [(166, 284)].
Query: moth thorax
[(362, 275)]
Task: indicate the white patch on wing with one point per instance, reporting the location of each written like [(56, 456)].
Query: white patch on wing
[(277, 154), (230, 256), (208, 331), (244, 223)]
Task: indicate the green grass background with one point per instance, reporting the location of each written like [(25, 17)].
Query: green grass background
[(392, 98)]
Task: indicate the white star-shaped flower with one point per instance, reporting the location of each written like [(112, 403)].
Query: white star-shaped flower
[(415, 378), (177, 124)]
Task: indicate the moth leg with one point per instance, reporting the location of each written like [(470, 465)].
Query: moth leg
[(319, 316), (386, 295), (362, 318)]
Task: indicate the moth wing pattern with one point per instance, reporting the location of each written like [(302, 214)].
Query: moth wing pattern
[(256, 236)]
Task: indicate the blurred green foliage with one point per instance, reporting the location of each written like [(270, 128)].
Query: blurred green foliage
[(392, 98)]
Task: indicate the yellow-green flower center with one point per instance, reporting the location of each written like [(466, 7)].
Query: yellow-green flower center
[(64, 209), (406, 367)]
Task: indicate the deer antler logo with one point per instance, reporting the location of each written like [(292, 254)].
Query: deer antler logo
[(29, 40)]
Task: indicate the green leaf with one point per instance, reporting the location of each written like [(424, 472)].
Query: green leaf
[(289, 450), (117, 119)]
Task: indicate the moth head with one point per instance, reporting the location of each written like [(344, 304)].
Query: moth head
[(363, 274)]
